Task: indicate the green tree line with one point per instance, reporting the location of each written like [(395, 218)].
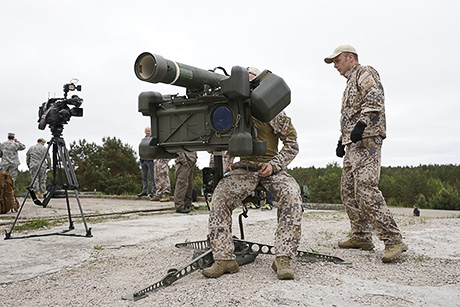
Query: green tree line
[(113, 168), (428, 186)]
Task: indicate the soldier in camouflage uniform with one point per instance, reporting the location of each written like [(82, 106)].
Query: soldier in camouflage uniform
[(363, 128), (9, 154), (162, 183), (34, 157), (270, 171)]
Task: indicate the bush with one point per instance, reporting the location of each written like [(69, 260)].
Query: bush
[(446, 199)]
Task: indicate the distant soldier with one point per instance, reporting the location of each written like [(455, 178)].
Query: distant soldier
[(162, 183), (185, 163), (9, 154), (34, 157), (416, 211), (148, 170)]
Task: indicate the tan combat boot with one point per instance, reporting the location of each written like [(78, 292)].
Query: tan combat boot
[(282, 267), (393, 251), (219, 267), (155, 198), (353, 243), (165, 198)]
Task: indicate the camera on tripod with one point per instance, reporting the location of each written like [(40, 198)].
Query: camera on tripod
[(57, 111)]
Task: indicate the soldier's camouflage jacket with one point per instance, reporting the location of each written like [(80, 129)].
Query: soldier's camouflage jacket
[(279, 128), (35, 155), (9, 152), (363, 101)]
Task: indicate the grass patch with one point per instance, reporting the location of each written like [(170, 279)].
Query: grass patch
[(30, 225), (101, 219), (200, 208), (7, 217)]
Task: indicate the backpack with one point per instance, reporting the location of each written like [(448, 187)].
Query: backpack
[(7, 199)]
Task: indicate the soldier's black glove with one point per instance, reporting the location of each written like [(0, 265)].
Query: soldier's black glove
[(340, 150), (357, 133)]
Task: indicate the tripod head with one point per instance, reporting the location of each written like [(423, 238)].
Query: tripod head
[(57, 112), (56, 130)]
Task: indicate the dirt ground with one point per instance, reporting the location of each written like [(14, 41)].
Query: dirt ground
[(132, 247)]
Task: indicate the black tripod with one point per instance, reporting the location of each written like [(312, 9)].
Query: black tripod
[(61, 162)]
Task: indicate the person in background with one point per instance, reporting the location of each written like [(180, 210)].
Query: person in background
[(148, 170), (162, 182), (34, 157), (185, 163), (9, 154), (416, 211)]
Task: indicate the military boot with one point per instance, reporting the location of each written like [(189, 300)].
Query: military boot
[(353, 243), (219, 267), (155, 198), (282, 267), (392, 251), (165, 198)]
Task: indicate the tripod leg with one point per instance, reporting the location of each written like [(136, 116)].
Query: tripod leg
[(88, 230), (30, 188), (31, 192), (72, 182), (8, 234), (71, 227)]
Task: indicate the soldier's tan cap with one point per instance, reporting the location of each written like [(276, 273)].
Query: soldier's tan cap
[(42, 140), (11, 134), (340, 49), (253, 70)]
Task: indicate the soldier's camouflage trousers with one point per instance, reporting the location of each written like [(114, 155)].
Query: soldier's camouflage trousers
[(40, 181), (363, 201), (162, 183), (229, 194)]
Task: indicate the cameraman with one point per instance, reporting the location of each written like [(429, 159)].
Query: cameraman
[(270, 171)]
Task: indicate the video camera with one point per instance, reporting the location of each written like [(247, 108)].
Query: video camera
[(215, 114), (56, 111)]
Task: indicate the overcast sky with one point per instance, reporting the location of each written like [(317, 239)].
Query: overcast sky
[(414, 46)]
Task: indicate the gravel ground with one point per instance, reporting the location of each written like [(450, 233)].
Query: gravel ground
[(427, 275)]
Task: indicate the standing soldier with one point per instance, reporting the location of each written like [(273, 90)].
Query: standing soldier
[(185, 163), (162, 183), (363, 128), (148, 170), (9, 154), (34, 157)]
